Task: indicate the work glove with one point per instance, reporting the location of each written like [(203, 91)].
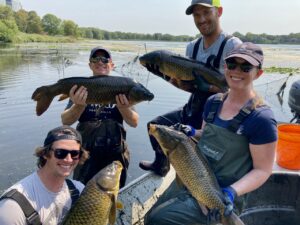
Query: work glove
[(155, 70), (229, 196), (186, 129), (201, 84)]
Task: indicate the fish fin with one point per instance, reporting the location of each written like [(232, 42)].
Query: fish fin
[(183, 58), (233, 219), (203, 208), (113, 211), (63, 97), (119, 205), (179, 182), (181, 185), (43, 97)]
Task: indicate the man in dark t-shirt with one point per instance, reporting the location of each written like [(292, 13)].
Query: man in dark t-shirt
[(101, 126)]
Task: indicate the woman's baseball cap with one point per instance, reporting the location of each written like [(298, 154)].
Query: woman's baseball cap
[(252, 53)]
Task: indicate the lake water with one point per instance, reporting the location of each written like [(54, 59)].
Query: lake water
[(26, 67)]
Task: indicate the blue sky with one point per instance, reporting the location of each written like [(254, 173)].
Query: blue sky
[(168, 16)]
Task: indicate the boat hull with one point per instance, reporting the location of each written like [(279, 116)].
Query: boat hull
[(277, 202)]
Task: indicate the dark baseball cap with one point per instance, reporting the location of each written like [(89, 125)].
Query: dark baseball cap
[(207, 3), (252, 53), (102, 49), (62, 133)]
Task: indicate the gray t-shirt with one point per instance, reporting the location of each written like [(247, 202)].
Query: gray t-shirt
[(203, 54), (51, 207), (193, 109)]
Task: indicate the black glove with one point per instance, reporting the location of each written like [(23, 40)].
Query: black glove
[(201, 84), (186, 129), (153, 68)]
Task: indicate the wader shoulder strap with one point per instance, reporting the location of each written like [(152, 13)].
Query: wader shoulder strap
[(239, 118), (217, 58), (74, 192), (196, 48), (214, 107), (32, 217), (221, 49)]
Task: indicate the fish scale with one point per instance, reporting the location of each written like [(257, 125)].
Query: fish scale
[(101, 90), (88, 205), (183, 68), (97, 203), (193, 169)]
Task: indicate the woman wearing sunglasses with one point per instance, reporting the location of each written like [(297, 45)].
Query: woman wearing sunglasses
[(45, 196), (243, 126), (238, 137), (101, 126)]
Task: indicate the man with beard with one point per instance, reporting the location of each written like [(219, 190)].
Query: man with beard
[(210, 48)]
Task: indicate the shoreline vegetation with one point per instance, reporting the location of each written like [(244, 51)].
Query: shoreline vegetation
[(27, 26), (24, 29)]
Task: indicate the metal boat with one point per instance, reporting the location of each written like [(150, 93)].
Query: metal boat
[(277, 202)]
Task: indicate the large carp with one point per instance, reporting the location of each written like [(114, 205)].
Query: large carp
[(98, 201), (101, 90), (183, 68), (193, 170)]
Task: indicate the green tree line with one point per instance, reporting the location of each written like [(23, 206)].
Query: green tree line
[(12, 24)]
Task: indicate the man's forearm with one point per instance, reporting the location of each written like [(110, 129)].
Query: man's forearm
[(130, 116), (71, 115)]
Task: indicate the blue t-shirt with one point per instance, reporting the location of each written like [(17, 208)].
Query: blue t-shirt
[(94, 112), (260, 127)]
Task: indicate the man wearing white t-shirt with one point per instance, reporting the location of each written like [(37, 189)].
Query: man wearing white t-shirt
[(45, 196)]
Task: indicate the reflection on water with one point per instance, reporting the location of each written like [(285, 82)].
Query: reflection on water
[(23, 70)]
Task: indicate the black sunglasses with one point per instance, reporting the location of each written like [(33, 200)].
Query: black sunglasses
[(245, 67), (61, 153), (99, 58)]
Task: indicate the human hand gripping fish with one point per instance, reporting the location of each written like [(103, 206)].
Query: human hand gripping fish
[(78, 95), (193, 170)]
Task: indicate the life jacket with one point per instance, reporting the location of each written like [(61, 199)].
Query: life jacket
[(32, 216)]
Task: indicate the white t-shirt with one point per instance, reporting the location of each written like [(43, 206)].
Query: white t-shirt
[(51, 207)]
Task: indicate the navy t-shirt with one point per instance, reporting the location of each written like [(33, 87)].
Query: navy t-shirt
[(260, 127), (94, 112)]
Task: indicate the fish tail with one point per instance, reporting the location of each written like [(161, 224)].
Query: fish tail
[(233, 219), (43, 97)]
